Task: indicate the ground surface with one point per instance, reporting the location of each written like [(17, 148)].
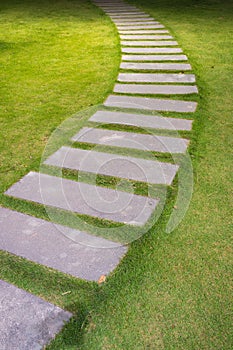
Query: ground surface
[(173, 291)]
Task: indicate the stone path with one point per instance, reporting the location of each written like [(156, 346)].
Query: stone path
[(27, 322), (152, 65)]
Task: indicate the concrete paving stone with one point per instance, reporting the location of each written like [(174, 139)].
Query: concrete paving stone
[(116, 165), (145, 37), (141, 120), (59, 247), (141, 26), (149, 43), (82, 198), (123, 16), (26, 321), (151, 50), (145, 142), (156, 78), (147, 89), (153, 104), (154, 58), (135, 23), (134, 20), (144, 32), (155, 66)]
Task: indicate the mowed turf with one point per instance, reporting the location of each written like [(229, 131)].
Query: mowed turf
[(172, 291)]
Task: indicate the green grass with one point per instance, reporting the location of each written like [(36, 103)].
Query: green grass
[(172, 291)]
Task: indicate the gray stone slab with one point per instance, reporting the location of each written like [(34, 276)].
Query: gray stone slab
[(141, 26), (145, 142), (147, 89), (82, 198), (135, 23), (141, 120), (154, 58), (59, 247), (156, 78), (114, 165), (123, 16), (26, 321), (145, 37), (155, 66), (151, 50), (153, 104), (143, 32), (126, 12), (149, 43)]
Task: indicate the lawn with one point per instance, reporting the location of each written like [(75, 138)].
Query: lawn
[(172, 291)]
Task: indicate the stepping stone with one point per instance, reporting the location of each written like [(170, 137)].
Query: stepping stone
[(149, 43), (144, 32), (135, 20), (144, 142), (27, 322), (154, 58), (135, 23), (145, 37), (143, 16), (150, 50), (141, 26), (156, 78), (59, 247), (155, 66), (153, 104), (82, 198), (141, 120), (149, 89), (114, 165)]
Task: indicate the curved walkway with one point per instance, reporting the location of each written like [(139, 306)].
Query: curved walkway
[(152, 70)]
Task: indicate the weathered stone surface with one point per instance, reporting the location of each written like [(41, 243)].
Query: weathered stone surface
[(145, 142), (144, 32), (155, 89), (125, 17), (26, 321), (153, 104), (151, 50), (154, 58), (149, 43), (114, 165), (82, 198), (155, 66), (156, 78), (59, 247), (141, 26), (145, 37), (134, 21), (141, 120)]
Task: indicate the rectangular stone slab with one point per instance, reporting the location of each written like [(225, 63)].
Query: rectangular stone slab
[(153, 104), (149, 43), (141, 120), (156, 78), (26, 321), (141, 26), (114, 165), (59, 247), (155, 66), (125, 17), (151, 50), (134, 21), (130, 23), (144, 142), (149, 89), (145, 37), (154, 58), (144, 32), (82, 198)]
